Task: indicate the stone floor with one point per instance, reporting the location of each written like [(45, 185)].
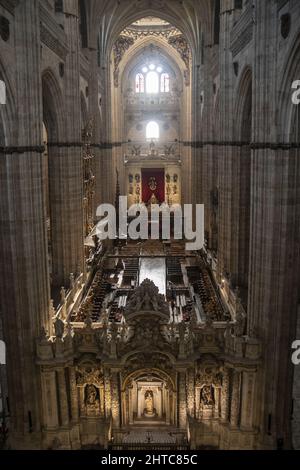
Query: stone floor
[(149, 437)]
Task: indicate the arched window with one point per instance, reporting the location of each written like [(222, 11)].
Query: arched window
[(140, 83), (165, 83), (152, 82), (152, 130)]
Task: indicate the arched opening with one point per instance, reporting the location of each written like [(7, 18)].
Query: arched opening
[(152, 131), (152, 82), (242, 191), (52, 178), (149, 398)]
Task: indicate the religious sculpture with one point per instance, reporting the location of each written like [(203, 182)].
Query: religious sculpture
[(92, 401), (152, 147), (207, 396), (59, 328), (149, 411), (146, 297)]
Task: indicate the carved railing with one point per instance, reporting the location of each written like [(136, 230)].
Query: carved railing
[(69, 299), (137, 151)]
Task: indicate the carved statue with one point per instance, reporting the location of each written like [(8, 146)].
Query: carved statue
[(146, 297), (136, 150), (92, 401), (59, 328), (207, 396), (91, 395), (149, 411), (181, 45), (152, 147), (240, 325)]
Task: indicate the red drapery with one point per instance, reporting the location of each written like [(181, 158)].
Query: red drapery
[(153, 178)]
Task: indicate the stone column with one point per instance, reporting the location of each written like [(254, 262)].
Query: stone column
[(182, 400), (107, 393), (115, 399), (248, 385), (50, 412), (274, 242), (130, 407), (167, 406), (191, 393), (68, 162), (217, 402), (23, 244), (226, 184), (225, 397), (235, 400), (198, 394), (63, 399), (74, 395)]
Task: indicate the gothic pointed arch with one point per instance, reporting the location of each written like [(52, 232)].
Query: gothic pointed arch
[(242, 185)]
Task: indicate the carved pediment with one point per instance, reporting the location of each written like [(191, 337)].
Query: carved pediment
[(146, 298)]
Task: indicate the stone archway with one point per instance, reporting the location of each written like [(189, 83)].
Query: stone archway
[(149, 398)]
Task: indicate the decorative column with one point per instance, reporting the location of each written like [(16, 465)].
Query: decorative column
[(191, 393), (115, 399), (167, 405), (182, 400), (107, 393), (49, 395), (235, 400), (63, 399), (217, 402), (74, 395), (225, 397), (130, 408), (247, 399)]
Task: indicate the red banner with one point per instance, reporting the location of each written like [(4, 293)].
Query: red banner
[(153, 182)]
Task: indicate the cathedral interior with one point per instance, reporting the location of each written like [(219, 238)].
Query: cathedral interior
[(142, 344)]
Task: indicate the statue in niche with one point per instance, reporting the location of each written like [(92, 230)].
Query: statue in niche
[(92, 401), (207, 396), (149, 410)]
